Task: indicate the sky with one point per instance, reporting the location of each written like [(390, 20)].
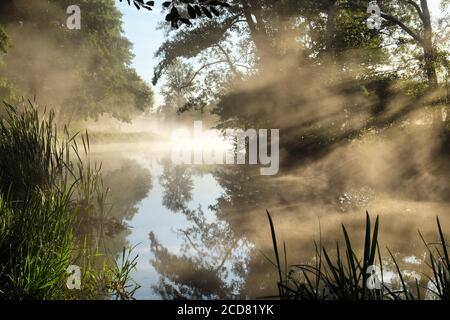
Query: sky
[(141, 28)]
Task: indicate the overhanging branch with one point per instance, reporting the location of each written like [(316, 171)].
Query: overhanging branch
[(388, 17)]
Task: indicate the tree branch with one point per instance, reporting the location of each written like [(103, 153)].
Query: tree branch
[(417, 7), (388, 17), (228, 59), (196, 73)]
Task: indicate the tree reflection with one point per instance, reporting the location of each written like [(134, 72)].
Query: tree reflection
[(177, 185), (212, 263), (125, 186)]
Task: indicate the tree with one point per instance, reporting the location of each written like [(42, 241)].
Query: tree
[(421, 31), (178, 88), (273, 31), (326, 42), (87, 72), (411, 16)]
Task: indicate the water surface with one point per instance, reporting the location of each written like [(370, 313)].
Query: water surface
[(201, 232)]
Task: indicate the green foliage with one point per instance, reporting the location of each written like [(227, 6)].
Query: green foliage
[(324, 34), (30, 156), (190, 44), (194, 8), (87, 71), (35, 245), (105, 277), (47, 192), (36, 210)]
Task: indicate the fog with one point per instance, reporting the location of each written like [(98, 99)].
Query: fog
[(351, 140)]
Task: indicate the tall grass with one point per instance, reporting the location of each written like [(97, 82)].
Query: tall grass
[(48, 190), (35, 246), (346, 276), (30, 155), (439, 264)]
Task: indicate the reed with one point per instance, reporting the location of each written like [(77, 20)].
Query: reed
[(345, 276), (49, 188)]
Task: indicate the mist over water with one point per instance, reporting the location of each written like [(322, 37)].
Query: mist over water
[(355, 135), (201, 231)]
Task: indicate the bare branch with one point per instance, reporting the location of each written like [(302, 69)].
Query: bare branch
[(196, 73), (417, 7), (229, 61)]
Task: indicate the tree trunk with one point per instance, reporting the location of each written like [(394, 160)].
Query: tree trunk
[(331, 29), (425, 40), (257, 30), (429, 53)]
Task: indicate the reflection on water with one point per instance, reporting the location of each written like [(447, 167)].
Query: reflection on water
[(201, 231), (177, 184), (211, 263)]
